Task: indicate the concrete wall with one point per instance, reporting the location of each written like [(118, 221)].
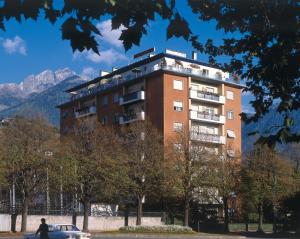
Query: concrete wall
[(95, 223)]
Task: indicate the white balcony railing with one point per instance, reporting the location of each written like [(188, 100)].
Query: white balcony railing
[(207, 97), (208, 138), (119, 79), (209, 118), (85, 111), (132, 117), (132, 97)]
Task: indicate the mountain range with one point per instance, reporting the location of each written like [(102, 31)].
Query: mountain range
[(39, 93)]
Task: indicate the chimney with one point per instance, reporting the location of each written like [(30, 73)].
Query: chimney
[(194, 55)]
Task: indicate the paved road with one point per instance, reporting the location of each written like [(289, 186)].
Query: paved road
[(138, 236)]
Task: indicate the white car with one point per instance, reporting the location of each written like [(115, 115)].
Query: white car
[(61, 231)]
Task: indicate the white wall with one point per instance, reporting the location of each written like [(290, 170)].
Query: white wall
[(95, 223)]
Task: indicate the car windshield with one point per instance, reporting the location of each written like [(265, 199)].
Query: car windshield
[(65, 228)]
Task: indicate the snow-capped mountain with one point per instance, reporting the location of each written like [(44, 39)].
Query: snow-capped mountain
[(12, 94), (37, 83), (40, 94)]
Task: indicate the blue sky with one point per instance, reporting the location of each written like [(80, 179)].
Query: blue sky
[(31, 47)]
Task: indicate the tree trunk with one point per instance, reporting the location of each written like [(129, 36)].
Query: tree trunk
[(260, 217), (139, 210), (247, 226), (226, 217), (126, 215), (186, 212), (86, 213), (74, 218), (24, 215), (14, 216), (274, 218)]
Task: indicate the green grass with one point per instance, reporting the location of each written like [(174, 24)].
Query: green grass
[(236, 227)]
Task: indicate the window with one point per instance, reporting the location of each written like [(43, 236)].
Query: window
[(230, 114), (116, 98), (205, 72), (178, 126), (104, 100), (177, 147), (229, 95), (209, 110), (230, 133), (177, 85), (210, 130), (178, 105), (116, 118), (65, 114), (230, 153), (209, 89), (104, 120)]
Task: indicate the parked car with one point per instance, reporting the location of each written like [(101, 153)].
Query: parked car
[(61, 231)]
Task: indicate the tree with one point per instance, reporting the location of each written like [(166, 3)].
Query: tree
[(226, 179), (144, 149), (95, 162), (268, 177), (262, 40), (24, 143), (189, 165)]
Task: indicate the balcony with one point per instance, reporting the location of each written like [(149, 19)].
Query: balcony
[(206, 97), (132, 117), (132, 97), (208, 118), (208, 138), (85, 111)]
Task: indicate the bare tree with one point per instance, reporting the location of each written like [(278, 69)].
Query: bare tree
[(144, 148), (188, 164), (95, 162), (24, 143)]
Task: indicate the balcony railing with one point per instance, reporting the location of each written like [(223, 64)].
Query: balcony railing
[(204, 116), (209, 138), (132, 117), (132, 97), (85, 111), (114, 81), (207, 96)]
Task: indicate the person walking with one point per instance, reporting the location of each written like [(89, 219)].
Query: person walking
[(43, 230)]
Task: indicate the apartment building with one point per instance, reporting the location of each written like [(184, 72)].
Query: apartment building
[(170, 90)]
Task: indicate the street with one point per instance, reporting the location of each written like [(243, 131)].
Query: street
[(143, 236)]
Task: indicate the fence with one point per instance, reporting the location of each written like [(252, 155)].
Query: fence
[(95, 223)]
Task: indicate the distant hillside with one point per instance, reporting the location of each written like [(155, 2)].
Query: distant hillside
[(266, 126), (45, 102)]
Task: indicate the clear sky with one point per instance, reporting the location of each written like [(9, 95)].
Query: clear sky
[(31, 47)]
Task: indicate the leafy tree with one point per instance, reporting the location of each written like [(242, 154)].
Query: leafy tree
[(268, 177), (24, 143), (262, 40), (188, 166), (144, 151), (225, 179), (95, 162)]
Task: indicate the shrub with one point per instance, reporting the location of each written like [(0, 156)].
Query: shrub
[(157, 229)]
